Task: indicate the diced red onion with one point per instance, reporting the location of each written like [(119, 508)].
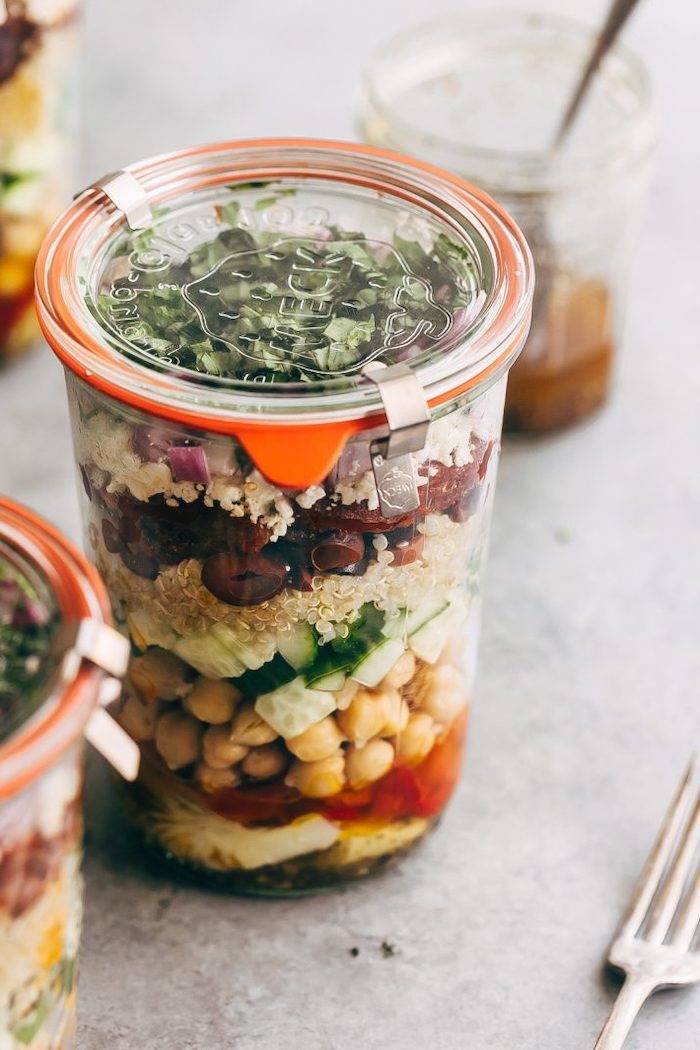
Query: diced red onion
[(31, 613), (10, 594), (461, 318), (189, 463), (321, 234), (381, 251), (464, 316), (153, 443)]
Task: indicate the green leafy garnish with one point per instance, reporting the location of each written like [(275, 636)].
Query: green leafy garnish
[(26, 630), (297, 305)]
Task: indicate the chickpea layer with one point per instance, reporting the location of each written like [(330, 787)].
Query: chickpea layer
[(206, 724)]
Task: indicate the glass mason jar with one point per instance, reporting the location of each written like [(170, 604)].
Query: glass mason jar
[(38, 52), (482, 95), (57, 656), (286, 365)]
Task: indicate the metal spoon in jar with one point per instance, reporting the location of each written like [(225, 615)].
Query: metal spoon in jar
[(617, 16), (536, 229)]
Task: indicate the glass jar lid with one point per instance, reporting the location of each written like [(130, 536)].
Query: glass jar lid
[(59, 655), (293, 281), (266, 276)]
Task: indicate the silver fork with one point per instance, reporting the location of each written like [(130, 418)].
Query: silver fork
[(654, 943)]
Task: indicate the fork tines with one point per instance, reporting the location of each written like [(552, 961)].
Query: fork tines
[(665, 906)]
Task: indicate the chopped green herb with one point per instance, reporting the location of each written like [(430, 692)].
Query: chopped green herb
[(300, 305), (26, 629)]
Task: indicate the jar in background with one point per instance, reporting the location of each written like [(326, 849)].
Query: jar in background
[(286, 366), (38, 58), (482, 95), (57, 660)]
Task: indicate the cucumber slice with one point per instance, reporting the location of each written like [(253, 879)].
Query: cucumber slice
[(208, 655), (377, 663), (328, 683), (269, 677), (228, 638), (342, 654), (299, 645), (428, 642), (293, 708), (407, 623)]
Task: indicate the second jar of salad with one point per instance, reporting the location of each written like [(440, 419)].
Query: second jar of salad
[(58, 659), (39, 52), (286, 368)]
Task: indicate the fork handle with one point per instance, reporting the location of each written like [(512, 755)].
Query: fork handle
[(632, 996)]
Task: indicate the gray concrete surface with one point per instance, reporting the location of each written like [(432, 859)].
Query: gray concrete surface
[(588, 695)]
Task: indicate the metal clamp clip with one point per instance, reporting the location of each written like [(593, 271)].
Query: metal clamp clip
[(94, 642), (128, 195), (408, 417)]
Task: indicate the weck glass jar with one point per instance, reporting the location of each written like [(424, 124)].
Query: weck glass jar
[(286, 364), (58, 656), (483, 95), (38, 103)]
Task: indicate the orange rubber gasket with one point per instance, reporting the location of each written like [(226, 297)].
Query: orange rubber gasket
[(291, 455), (79, 593)]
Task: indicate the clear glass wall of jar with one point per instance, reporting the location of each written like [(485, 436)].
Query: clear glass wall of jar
[(481, 95), (38, 102)]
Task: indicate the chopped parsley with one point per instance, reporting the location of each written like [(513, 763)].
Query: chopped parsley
[(26, 631), (252, 304)]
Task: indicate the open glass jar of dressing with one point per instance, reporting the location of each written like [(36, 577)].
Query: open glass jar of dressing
[(60, 660), (286, 365), (482, 95)]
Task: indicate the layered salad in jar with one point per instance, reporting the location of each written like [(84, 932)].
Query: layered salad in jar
[(37, 142), (302, 667), (40, 888), (302, 663)]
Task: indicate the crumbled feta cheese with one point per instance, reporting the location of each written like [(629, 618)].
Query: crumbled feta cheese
[(267, 504), (227, 493), (107, 443), (309, 496), (448, 441), (359, 490)]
